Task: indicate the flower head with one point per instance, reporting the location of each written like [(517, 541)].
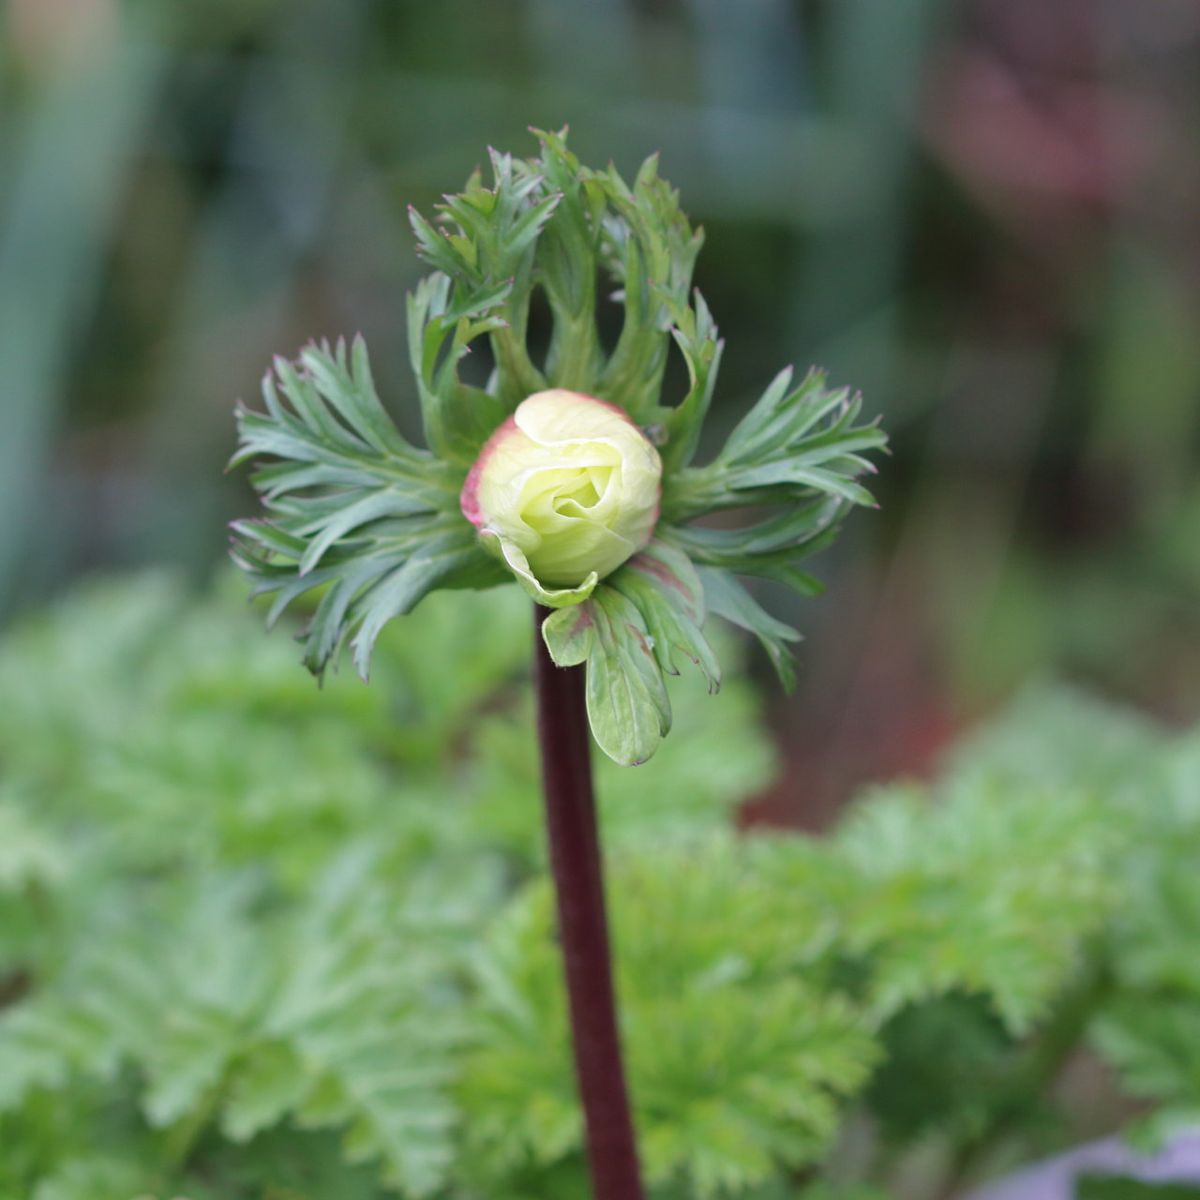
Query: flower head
[(566, 490), (531, 476)]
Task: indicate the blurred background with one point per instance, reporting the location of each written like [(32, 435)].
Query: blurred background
[(983, 213)]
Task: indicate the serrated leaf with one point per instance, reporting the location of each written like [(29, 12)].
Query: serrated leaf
[(627, 703), (797, 454), (783, 416), (696, 335), (569, 634), (440, 558), (792, 472), (729, 599), (457, 418), (352, 507), (663, 585), (629, 632), (771, 548), (650, 249), (701, 945), (271, 1082)]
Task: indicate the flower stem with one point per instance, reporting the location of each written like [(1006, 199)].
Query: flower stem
[(583, 928)]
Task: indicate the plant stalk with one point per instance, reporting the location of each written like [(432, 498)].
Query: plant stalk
[(575, 861)]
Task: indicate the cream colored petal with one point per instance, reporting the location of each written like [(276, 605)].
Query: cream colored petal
[(558, 416), (569, 488), (551, 597)]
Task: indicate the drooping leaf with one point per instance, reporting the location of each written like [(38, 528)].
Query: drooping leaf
[(728, 598), (627, 703), (664, 587), (630, 632)]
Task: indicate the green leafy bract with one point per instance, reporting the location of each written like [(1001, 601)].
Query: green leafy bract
[(374, 523), (353, 508), (630, 632)]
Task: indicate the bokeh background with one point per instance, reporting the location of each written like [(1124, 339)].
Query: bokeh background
[(983, 213)]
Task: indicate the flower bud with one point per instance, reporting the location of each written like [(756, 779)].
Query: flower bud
[(565, 491)]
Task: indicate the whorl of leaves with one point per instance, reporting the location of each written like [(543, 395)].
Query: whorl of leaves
[(354, 509)]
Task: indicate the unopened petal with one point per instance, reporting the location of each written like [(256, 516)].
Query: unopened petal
[(567, 488)]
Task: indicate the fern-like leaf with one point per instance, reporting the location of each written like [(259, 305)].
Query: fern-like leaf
[(353, 508)]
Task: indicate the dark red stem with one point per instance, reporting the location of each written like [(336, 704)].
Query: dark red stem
[(583, 927)]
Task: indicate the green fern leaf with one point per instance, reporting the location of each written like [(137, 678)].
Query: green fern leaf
[(353, 507)]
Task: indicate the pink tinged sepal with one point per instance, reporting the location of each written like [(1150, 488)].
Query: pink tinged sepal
[(469, 496)]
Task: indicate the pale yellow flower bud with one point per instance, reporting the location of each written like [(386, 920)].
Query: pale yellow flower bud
[(565, 490)]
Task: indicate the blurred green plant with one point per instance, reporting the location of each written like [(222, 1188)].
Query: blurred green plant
[(227, 972)]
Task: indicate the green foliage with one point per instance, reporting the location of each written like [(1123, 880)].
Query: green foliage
[(1112, 1187), (1145, 787), (261, 941), (797, 450), (29, 857), (737, 1066), (95, 1177), (1151, 1032), (251, 906), (957, 904), (247, 1022), (631, 633), (354, 509)]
